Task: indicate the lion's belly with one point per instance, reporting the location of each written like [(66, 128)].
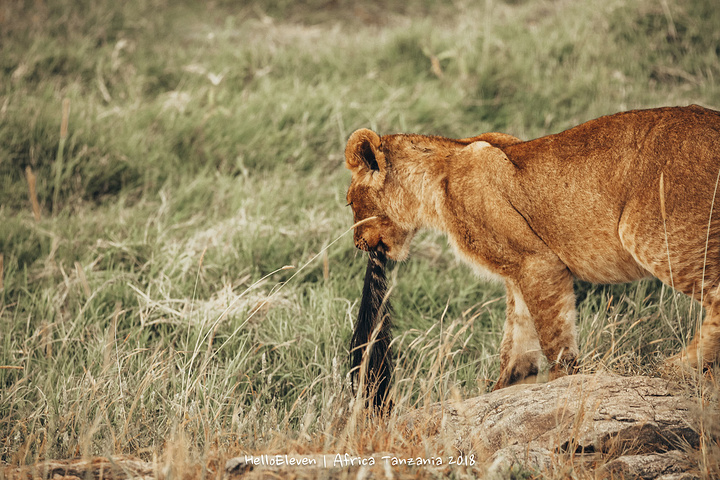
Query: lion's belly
[(585, 236), (594, 253), (603, 264)]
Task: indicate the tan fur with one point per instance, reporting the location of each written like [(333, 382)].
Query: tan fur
[(583, 203)]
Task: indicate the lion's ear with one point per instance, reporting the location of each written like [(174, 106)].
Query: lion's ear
[(363, 152)]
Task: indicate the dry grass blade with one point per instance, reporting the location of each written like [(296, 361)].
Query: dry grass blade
[(662, 196), (59, 159), (31, 179)]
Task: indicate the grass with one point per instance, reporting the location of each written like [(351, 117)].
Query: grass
[(146, 312)]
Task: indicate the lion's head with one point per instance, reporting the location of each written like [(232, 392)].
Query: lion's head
[(374, 193)]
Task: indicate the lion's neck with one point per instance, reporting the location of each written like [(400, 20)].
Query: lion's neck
[(425, 180)]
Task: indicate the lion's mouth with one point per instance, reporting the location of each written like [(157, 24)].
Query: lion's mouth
[(363, 245), (394, 245)]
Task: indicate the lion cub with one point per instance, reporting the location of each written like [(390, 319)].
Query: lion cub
[(613, 200)]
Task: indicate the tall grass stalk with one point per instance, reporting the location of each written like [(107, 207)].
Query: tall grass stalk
[(32, 191), (59, 159)]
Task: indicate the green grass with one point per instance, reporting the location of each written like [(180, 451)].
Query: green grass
[(147, 313)]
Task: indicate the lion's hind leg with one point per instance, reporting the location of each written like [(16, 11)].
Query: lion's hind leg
[(704, 349), (685, 273)]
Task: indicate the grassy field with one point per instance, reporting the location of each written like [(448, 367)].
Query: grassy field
[(185, 156)]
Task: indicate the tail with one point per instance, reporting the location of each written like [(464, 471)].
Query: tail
[(374, 315)]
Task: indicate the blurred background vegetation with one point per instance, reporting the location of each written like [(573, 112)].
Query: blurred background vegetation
[(204, 151)]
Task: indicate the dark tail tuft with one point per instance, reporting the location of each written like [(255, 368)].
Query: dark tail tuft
[(374, 314)]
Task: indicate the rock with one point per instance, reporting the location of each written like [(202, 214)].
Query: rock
[(679, 476), (669, 465), (629, 422), (103, 468)]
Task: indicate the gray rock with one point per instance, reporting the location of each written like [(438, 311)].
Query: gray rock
[(631, 419), (672, 465)]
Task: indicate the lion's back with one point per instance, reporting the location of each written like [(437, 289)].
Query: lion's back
[(593, 191)]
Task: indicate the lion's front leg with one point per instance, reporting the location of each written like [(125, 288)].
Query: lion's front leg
[(520, 352), (551, 300), (540, 318)]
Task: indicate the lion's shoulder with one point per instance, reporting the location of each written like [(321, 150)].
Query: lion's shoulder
[(496, 139)]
